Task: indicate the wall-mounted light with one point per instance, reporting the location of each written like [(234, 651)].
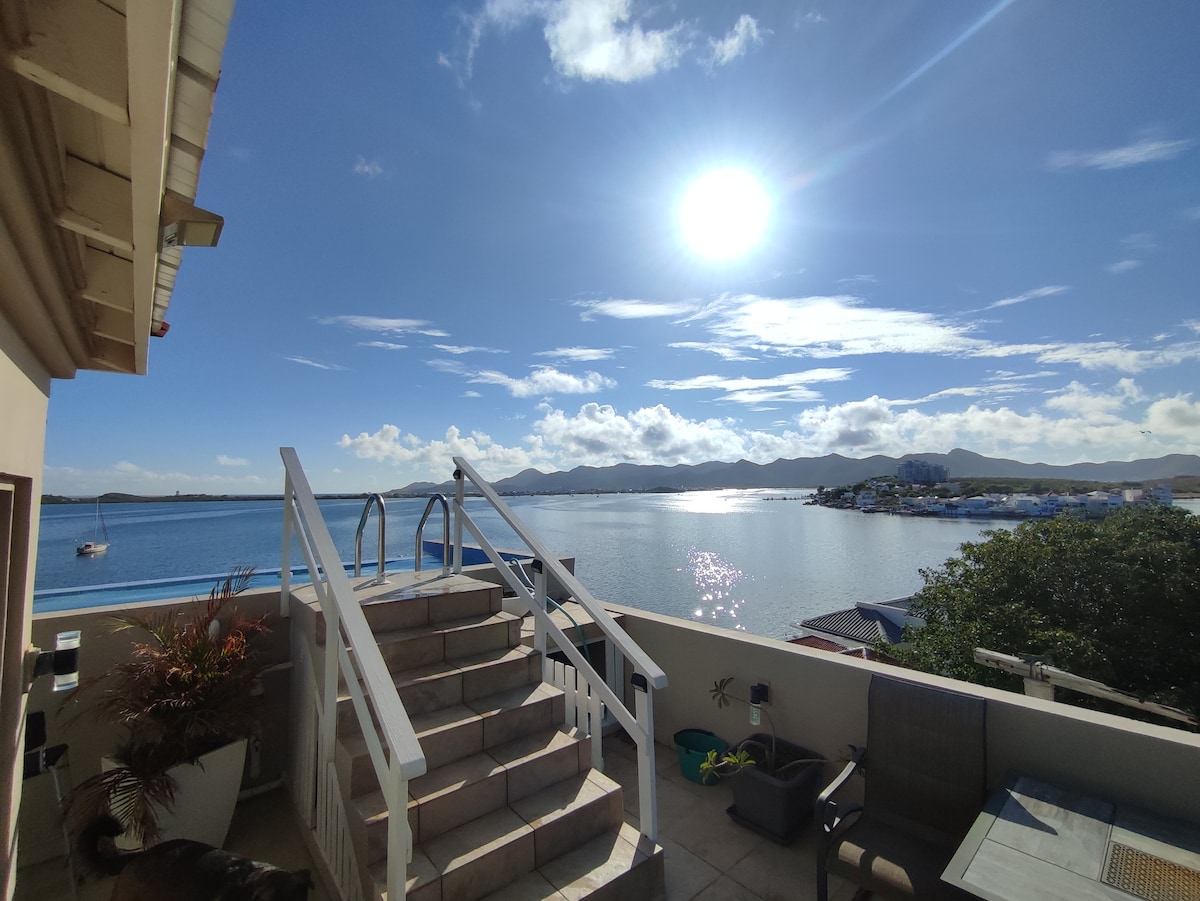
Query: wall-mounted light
[(186, 225), (62, 662)]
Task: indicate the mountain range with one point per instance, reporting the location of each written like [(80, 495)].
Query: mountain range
[(809, 472)]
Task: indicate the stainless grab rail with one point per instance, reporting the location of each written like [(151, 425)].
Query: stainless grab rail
[(381, 574), (445, 532)]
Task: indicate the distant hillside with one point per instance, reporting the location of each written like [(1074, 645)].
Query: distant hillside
[(809, 472)]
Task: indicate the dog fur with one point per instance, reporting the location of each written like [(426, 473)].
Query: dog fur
[(184, 870)]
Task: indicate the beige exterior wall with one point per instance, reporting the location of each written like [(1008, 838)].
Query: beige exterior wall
[(24, 399), (819, 700)]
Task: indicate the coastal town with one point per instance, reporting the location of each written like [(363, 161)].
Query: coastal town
[(925, 489)]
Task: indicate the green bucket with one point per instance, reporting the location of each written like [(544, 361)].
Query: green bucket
[(693, 746)]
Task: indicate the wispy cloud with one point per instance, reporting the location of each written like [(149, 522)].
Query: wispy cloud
[(1048, 291), (386, 326), (1096, 355), (725, 351), (368, 169), (1123, 266), (316, 364), (223, 460), (544, 381), (823, 327), (792, 387), (459, 349), (578, 354), (384, 345), (632, 309), (744, 35), (1147, 149)]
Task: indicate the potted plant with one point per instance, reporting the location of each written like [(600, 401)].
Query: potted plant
[(775, 782), (185, 701)]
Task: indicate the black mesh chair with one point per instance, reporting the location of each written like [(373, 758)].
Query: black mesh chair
[(926, 770), (40, 759)]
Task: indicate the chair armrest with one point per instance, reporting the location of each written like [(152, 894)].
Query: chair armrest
[(827, 813)]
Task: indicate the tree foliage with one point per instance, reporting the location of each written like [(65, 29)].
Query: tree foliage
[(1116, 600)]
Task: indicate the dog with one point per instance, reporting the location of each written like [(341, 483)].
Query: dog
[(184, 870)]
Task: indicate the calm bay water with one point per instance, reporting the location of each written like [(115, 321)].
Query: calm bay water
[(739, 559)]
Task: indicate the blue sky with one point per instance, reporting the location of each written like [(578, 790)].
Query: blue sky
[(455, 228)]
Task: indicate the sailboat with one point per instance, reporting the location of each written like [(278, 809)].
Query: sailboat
[(96, 546)]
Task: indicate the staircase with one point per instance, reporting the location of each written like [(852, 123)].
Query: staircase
[(510, 807)]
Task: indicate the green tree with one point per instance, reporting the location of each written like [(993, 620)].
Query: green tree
[(1116, 600)]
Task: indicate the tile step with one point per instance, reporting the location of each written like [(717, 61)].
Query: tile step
[(557, 828)]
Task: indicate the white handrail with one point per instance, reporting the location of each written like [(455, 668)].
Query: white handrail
[(347, 627), (647, 675), (619, 637)]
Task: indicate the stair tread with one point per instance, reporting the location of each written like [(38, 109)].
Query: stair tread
[(462, 664), (446, 717), (456, 625), (453, 776), (560, 798), (475, 839), (490, 705), (372, 806), (598, 861)]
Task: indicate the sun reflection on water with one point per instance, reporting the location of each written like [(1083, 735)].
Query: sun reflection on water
[(715, 579)]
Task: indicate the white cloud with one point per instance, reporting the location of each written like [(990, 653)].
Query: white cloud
[(744, 35), (385, 345), (1123, 266), (223, 460), (1077, 423), (370, 169), (1147, 149), (599, 436), (594, 40), (632, 309), (316, 364), (1177, 417), (545, 381), (433, 459), (458, 349), (794, 387), (833, 327), (385, 326), (724, 351), (1082, 400), (1048, 291), (1111, 355), (578, 354)]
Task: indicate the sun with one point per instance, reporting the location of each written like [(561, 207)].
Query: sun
[(724, 213)]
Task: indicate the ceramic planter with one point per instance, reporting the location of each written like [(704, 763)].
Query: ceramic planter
[(204, 800)]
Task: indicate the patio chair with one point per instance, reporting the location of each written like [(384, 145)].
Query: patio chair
[(925, 768)]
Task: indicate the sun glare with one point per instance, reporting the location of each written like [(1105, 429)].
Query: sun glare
[(724, 214)]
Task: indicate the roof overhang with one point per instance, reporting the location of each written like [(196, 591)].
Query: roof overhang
[(104, 115)]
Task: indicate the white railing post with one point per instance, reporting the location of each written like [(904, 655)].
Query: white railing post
[(285, 554), (539, 598), (399, 838), (647, 784), (459, 494)]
